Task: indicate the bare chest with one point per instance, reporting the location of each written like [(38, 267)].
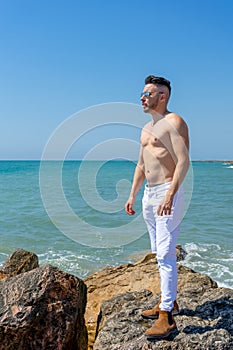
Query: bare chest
[(153, 137)]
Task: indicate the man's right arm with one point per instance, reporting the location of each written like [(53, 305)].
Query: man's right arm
[(138, 179)]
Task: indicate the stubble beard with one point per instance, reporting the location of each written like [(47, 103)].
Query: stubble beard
[(150, 107)]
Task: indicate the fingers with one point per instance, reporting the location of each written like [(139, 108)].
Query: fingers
[(163, 210), (159, 212), (131, 212), (165, 207), (129, 209)]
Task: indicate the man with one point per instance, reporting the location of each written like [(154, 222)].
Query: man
[(163, 162)]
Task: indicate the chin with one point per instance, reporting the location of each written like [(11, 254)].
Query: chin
[(146, 110)]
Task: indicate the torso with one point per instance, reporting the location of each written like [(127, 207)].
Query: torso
[(158, 156)]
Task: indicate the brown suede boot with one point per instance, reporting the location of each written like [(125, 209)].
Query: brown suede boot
[(154, 313), (163, 327)]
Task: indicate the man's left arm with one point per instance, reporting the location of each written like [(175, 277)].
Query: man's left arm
[(179, 137)]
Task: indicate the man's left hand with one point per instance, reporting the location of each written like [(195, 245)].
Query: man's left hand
[(165, 206)]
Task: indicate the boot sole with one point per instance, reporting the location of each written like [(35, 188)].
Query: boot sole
[(154, 337), (174, 313), (150, 317)]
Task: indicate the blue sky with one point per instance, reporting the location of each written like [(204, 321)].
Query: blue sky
[(59, 57)]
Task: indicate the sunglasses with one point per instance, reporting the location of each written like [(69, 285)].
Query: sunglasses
[(147, 94)]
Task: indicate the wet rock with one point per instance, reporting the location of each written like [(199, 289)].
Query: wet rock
[(42, 309), (205, 322), (180, 253), (19, 261)]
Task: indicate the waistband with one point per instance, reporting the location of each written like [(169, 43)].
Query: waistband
[(157, 187)]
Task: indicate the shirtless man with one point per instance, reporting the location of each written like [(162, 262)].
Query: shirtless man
[(163, 162)]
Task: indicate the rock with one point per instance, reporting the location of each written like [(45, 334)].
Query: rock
[(42, 309), (112, 281), (180, 253), (205, 321), (4, 275), (139, 257), (20, 261)]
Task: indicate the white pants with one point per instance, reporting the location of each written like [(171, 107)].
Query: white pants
[(163, 232)]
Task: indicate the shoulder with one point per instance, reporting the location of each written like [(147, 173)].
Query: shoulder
[(175, 119), (177, 122), (178, 128)]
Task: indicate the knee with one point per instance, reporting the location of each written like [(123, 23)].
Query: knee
[(166, 258), (166, 253)]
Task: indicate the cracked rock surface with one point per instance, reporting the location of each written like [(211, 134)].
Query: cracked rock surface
[(205, 322)]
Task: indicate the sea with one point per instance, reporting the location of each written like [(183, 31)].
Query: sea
[(71, 214)]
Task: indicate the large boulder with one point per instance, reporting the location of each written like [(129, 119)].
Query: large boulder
[(20, 261), (42, 309), (144, 274), (205, 321)]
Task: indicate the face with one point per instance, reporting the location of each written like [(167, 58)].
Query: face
[(151, 99)]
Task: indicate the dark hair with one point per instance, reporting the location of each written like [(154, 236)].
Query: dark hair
[(151, 79)]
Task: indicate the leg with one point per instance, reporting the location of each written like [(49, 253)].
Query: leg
[(149, 218), (167, 231), (166, 256), (168, 228)]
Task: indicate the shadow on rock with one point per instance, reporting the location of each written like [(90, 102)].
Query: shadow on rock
[(218, 313), (170, 338), (206, 323)]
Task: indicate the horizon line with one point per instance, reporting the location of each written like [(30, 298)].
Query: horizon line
[(101, 160)]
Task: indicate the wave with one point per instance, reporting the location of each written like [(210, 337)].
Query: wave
[(79, 265), (211, 259), (228, 165)]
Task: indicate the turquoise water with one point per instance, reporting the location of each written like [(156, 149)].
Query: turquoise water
[(97, 199)]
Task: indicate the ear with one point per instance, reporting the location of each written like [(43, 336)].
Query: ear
[(163, 96)]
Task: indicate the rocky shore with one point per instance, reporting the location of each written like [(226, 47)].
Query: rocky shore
[(42, 307)]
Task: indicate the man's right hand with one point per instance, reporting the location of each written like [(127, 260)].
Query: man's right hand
[(129, 206)]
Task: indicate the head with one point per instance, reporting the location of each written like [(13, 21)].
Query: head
[(155, 94)]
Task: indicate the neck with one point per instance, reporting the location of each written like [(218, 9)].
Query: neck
[(158, 114)]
